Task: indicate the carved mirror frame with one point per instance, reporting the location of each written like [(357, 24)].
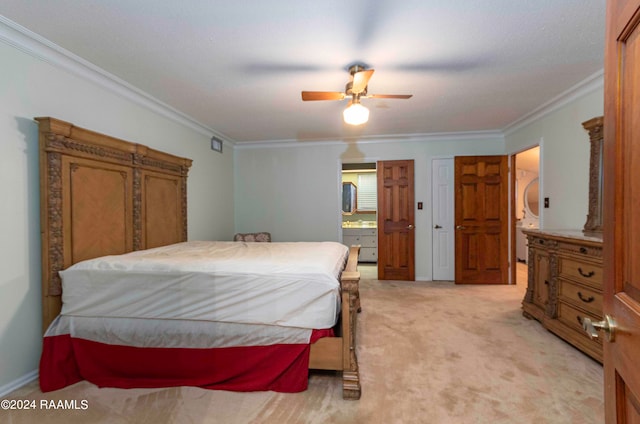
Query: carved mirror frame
[(596, 138)]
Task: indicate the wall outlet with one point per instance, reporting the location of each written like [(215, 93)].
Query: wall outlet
[(546, 202)]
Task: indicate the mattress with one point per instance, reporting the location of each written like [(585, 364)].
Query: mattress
[(284, 284)]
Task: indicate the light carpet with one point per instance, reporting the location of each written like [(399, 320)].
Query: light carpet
[(429, 352)]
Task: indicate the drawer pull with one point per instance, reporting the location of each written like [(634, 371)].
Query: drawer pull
[(586, 299), (586, 274), (546, 282)]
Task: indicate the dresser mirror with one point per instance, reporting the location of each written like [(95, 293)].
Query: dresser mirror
[(594, 126)]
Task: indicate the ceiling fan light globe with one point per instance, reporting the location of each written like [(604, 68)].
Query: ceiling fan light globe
[(356, 114)]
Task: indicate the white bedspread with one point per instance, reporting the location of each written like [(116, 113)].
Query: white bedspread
[(285, 284)]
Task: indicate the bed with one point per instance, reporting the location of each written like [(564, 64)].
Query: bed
[(129, 302)]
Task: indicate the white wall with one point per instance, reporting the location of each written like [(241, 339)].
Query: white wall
[(564, 158), (293, 191), (31, 87)]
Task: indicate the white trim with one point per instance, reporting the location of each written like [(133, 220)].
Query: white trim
[(339, 200), (375, 139), (39, 47), (583, 88), (541, 193), (16, 384)]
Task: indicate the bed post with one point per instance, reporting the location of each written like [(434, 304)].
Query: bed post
[(350, 281)]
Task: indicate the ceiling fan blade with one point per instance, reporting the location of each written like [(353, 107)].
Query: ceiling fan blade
[(390, 96), (361, 80), (322, 95)]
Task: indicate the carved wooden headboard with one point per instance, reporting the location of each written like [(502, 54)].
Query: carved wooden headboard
[(99, 196)]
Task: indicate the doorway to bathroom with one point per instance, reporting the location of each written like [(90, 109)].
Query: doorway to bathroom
[(525, 208), (359, 211)]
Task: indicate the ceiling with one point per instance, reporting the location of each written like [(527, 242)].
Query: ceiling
[(238, 66)]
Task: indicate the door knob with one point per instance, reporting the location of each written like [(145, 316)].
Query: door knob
[(410, 227), (437, 227), (460, 227), (608, 325)]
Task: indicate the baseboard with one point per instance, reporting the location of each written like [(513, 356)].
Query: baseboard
[(16, 384)]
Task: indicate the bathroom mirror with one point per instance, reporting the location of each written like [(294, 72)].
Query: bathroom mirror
[(596, 139), (349, 195), (532, 199)]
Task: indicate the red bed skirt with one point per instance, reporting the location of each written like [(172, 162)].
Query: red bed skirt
[(280, 368)]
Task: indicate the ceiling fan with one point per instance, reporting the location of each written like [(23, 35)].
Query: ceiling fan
[(356, 89)]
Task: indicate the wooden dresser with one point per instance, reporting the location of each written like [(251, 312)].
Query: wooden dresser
[(565, 285)]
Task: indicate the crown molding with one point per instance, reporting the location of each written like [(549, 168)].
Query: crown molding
[(586, 86), (375, 139), (39, 47)]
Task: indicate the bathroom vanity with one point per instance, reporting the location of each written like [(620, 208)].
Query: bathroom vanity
[(364, 235)]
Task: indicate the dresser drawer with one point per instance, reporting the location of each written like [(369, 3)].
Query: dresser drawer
[(369, 232), (368, 254), (350, 240), (585, 272), (586, 298), (582, 249), (359, 231), (368, 241), (363, 241), (572, 317), (346, 232)]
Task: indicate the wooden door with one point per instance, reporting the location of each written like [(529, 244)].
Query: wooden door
[(396, 226), (621, 248), (481, 217)]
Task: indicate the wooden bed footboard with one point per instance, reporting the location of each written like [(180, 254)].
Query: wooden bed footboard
[(339, 353)]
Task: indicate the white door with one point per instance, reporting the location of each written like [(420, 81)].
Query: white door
[(443, 244)]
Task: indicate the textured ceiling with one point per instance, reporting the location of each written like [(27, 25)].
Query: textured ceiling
[(238, 66)]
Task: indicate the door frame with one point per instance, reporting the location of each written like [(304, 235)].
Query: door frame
[(512, 204)]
